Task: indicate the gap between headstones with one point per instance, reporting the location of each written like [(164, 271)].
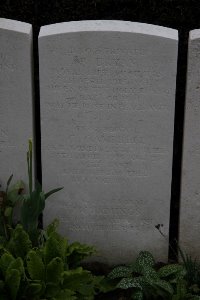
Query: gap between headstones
[(36, 103), (178, 145)]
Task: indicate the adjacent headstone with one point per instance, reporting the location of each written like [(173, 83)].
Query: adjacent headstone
[(190, 187), (15, 98), (107, 117)]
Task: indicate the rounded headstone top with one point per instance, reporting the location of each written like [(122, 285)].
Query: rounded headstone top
[(17, 26), (108, 25), (194, 34)]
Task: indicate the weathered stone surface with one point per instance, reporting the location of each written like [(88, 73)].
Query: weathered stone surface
[(107, 116), (190, 187), (15, 98)]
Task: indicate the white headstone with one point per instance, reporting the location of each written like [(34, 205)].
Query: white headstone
[(107, 114), (15, 98), (190, 187)]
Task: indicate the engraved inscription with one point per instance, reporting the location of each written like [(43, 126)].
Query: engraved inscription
[(3, 136), (107, 103)]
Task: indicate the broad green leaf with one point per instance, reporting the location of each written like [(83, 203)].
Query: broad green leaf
[(90, 288), (105, 285), (55, 247), (13, 282), (5, 260), (150, 273), (14, 193), (169, 270), (54, 270), (75, 279), (145, 258), (127, 283), (76, 252), (164, 285), (144, 265), (18, 265), (144, 270), (144, 283), (120, 272), (35, 266), (19, 244), (51, 249), (136, 268), (31, 208), (52, 227)]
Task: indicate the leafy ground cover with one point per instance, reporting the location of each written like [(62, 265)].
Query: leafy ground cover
[(39, 264)]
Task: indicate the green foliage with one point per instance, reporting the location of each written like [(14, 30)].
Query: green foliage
[(55, 246), (40, 264), (168, 283), (192, 268), (12, 273), (174, 271), (17, 264), (19, 243), (81, 281), (145, 260), (5, 260), (14, 193), (32, 290), (66, 294), (45, 272), (34, 202), (8, 200), (54, 270), (35, 266), (76, 252), (13, 282), (120, 272)]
